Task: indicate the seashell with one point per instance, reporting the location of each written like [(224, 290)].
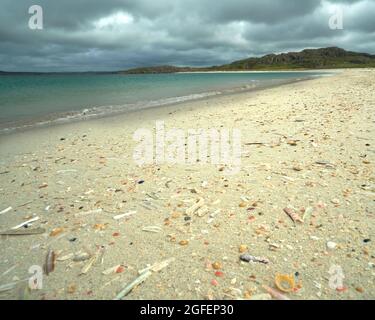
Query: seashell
[(293, 215), (285, 282), (49, 265)]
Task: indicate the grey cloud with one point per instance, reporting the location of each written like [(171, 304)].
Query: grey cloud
[(190, 32)]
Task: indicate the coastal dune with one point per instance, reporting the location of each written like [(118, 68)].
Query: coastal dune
[(307, 146)]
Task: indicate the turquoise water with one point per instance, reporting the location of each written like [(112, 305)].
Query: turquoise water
[(30, 99)]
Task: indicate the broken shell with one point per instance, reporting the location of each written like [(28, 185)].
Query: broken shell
[(175, 215), (49, 265), (293, 215), (285, 282), (184, 242), (82, 256), (99, 226), (202, 211), (56, 231), (66, 257), (273, 246), (195, 206)]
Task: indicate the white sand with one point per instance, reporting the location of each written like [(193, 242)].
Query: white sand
[(93, 168)]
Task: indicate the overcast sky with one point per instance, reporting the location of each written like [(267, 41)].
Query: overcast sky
[(80, 35)]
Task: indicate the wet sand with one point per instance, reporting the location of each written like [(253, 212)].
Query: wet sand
[(308, 146)]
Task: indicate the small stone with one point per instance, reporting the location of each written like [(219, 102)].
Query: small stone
[(214, 282), (71, 288), (184, 242), (292, 142), (120, 269), (242, 248), (359, 289), (176, 215), (331, 245), (216, 265)]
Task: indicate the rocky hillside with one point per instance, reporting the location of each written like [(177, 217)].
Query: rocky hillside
[(324, 58), (307, 59)]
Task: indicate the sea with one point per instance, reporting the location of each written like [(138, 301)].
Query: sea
[(31, 100)]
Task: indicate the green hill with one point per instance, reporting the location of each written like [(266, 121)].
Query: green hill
[(324, 58)]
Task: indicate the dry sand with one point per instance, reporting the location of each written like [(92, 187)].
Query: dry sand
[(58, 173)]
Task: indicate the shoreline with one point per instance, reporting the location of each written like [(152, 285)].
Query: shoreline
[(78, 116), (272, 71), (308, 145)]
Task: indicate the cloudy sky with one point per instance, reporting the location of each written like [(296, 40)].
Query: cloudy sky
[(80, 35)]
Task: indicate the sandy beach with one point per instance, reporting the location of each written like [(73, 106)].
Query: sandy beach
[(308, 146)]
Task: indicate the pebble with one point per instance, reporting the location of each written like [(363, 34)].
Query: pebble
[(214, 282), (216, 265), (242, 248), (297, 168), (331, 245), (359, 289)]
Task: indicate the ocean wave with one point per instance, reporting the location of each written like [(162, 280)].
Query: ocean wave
[(92, 112), (99, 111)]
